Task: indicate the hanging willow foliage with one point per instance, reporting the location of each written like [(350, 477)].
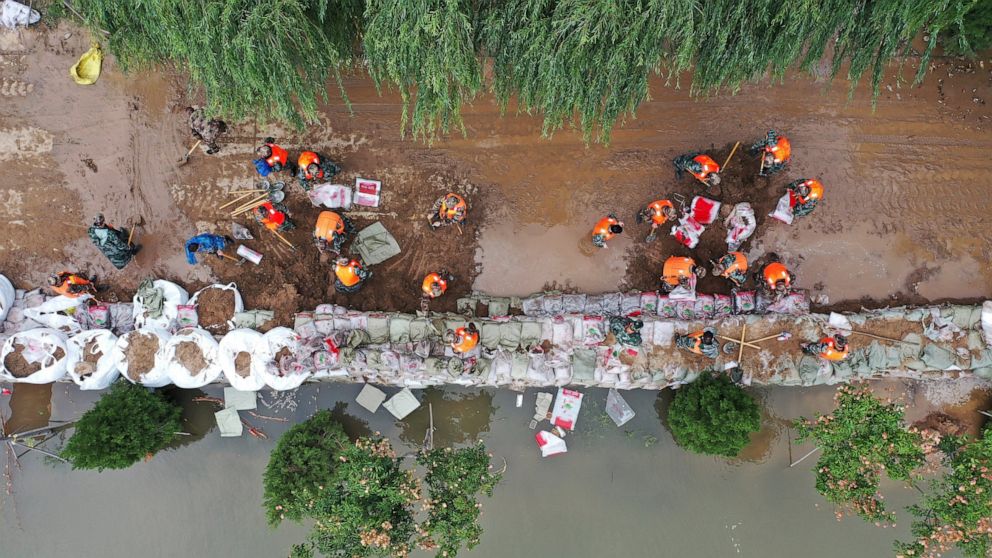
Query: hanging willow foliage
[(271, 59), (427, 49)]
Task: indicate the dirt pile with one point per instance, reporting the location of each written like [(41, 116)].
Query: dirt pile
[(191, 357), (215, 307), (91, 356), (942, 423), (140, 355), (242, 364), (19, 367)]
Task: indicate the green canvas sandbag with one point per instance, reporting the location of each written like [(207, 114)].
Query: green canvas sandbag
[(489, 335), (356, 338), (518, 365), (399, 328), (509, 335), (976, 342), (466, 306), (937, 358), (420, 330), (984, 372), (584, 365), (809, 368), (910, 348), (499, 306), (530, 334), (374, 244), (378, 328), (454, 323)]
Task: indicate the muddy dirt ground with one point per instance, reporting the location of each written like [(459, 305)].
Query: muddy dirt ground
[(905, 215)]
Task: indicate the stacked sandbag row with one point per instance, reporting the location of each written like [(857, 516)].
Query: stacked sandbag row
[(651, 303)]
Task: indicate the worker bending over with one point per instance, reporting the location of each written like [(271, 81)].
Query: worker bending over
[(331, 231), (206, 243), (605, 229), (680, 271), (699, 165), (464, 339), (701, 342), (449, 209), (313, 168), (349, 275), (627, 330), (829, 348), (274, 217), (207, 130), (804, 194), (774, 277), (112, 242), (436, 284), (657, 213), (732, 266), (71, 285), (271, 158), (775, 152)]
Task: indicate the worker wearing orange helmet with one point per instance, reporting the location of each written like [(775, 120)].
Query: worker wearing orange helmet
[(804, 194), (436, 284), (273, 216), (605, 229), (776, 150), (331, 231), (774, 277), (732, 266), (680, 271), (349, 275), (447, 210), (657, 213), (312, 168), (271, 157), (70, 285), (699, 165), (464, 339), (833, 348)]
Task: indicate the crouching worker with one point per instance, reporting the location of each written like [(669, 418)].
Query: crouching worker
[(699, 165), (774, 278), (829, 348), (463, 339), (605, 229), (313, 168), (657, 213), (775, 152), (331, 231), (436, 284), (701, 342), (207, 130), (732, 266), (206, 243), (449, 209), (804, 194), (627, 330), (350, 275), (273, 216), (271, 158), (112, 242), (70, 285), (680, 272)]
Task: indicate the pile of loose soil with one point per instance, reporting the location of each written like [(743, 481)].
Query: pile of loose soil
[(19, 367), (140, 355), (215, 307), (91, 356), (190, 356), (283, 353), (242, 364), (942, 423)]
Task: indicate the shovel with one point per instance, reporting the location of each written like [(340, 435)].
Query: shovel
[(185, 159), (651, 237), (135, 223)]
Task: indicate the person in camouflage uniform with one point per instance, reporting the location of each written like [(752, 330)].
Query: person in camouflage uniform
[(775, 149), (804, 194), (627, 330), (204, 129), (732, 266), (112, 242), (701, 342)]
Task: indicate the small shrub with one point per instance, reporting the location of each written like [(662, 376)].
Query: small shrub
[(713, 416)]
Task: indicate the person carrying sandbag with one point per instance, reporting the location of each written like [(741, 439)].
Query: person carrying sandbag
[(114, 243)]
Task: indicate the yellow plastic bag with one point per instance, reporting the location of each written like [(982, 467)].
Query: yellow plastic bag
[(87, 69)]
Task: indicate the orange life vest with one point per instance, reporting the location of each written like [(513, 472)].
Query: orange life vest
[(465, 340), (328, 225), (775, 272), (450, 213), (69, 280), (269, 216), (602, 228), (697, 342), (781, 151), (830, 351), (675, 268), (279, 155), (306, 159), (740, 264), (430, 281), (709, 166), (657, 209), (347, 274), (815, 193)]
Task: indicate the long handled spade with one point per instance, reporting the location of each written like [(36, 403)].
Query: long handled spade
[(185, 159)]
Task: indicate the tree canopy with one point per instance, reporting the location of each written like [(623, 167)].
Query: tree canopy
[(713, 416)]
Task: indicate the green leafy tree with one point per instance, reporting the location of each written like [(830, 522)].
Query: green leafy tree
[(126, 425), (302, 463), (860, 440), (957, 510), (454, 479), (713, 416), (974, 35)]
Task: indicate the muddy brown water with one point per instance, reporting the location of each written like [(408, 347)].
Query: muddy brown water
[(618, 491)]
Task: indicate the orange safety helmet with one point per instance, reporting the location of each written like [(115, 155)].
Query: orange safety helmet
[(466, 338), (306, 159), (781, 151), (677, 267), (346, 272), (329, 223), (815, 189), (775, 272), (739, 264), (452, 210), (431, 281), (834, 350)]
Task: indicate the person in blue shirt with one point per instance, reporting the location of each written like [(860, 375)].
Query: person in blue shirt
[(206, 242)]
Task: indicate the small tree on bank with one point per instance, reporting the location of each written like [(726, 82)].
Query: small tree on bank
[(860, 440), (713, 416), (126, 425)]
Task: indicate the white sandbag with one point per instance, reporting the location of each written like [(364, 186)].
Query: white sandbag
[(987, 321), (174, 296), (14, 13), (88, 375), (333, 196), (290, 373), (740, 225), (41, 346), (48, 313), (7, 296), (239, 303), (783, 210), (247, 341), (158, 375), (178, 372)]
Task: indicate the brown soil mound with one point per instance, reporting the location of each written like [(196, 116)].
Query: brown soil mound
[(283, 353), (942, 423), (189, 355), (215, 307), (140, 355), (91, 356), (242, 364), (19, 367)]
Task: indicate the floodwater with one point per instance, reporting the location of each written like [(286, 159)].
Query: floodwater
[(618, 491)]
